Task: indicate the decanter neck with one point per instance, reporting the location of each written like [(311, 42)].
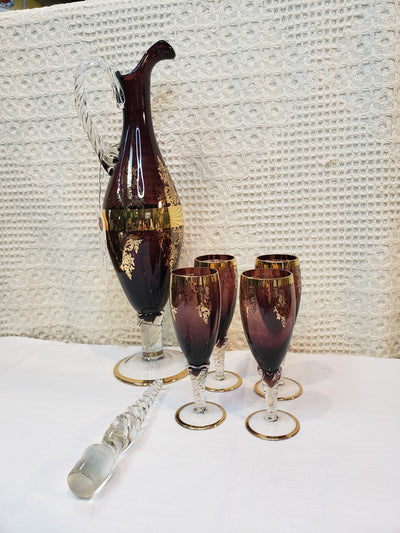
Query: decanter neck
[(136, 88), (136, 84)]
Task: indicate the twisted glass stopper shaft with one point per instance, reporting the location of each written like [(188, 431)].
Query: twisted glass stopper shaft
[(98, 460)]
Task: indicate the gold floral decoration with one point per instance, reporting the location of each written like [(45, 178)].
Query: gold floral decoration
[(204, 313), (128, 258)]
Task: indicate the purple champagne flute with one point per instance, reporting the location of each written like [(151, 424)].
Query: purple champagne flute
[(195, 300), (268, 310), (288, 387), (221, 380)]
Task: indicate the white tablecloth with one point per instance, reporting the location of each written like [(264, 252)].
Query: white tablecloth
[(341, 473)]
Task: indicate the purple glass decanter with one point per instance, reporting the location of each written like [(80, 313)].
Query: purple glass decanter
[(141, 211)]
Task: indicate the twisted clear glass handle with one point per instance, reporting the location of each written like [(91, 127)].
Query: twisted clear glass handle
[(98, 460), (108, 154)]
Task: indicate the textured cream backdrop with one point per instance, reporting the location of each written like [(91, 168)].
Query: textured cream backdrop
[(279, 122)]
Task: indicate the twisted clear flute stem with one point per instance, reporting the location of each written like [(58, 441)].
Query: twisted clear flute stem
[(219, 359), (198, 375), (270, 384)]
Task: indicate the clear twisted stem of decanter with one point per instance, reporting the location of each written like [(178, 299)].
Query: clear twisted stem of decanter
[(151, 331), (270, 384), (198, 375), (98, 460), (219, 359)]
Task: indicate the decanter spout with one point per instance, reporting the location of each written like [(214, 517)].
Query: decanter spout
[(157, 52)]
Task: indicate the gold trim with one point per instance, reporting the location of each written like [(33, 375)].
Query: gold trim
[(152, 356), (200, 280), (215, 263), (199, 428), (145, 382), (233, 387), (276, 437), (258, 390), (130, 220), (274, 282), (284, 264)]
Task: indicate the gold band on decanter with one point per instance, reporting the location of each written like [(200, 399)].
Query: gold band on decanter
[(129, 220)]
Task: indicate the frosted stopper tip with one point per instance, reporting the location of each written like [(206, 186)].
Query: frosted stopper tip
[(91, 470)]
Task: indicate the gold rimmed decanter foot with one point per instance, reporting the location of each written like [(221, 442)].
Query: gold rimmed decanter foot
[(169, 368), (153, 361)]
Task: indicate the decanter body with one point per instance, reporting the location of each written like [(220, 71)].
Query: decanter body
[(141, 208)]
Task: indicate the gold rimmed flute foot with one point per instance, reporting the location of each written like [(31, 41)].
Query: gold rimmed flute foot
[(284, 427), (213, 416), (231, 381), (288, 389)]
